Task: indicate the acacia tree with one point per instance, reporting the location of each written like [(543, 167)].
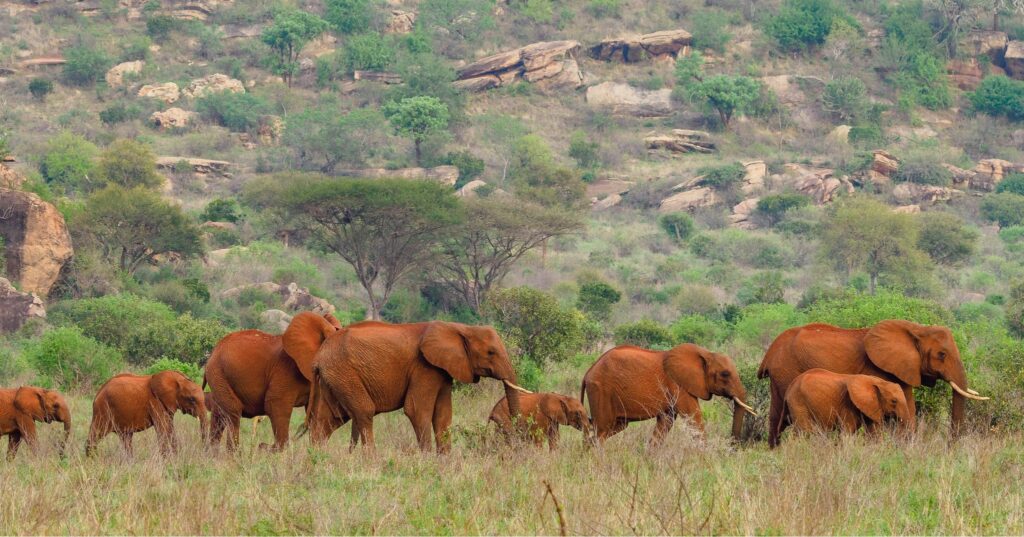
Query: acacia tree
[(135, 226), (417, 118), (291, 30), (384, 228), (477, 257), (727, 94)]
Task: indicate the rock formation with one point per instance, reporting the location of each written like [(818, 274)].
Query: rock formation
[(1014, 59), (167, 92), (172, 118), (549, 64), (401, 22), (214, 83), (16, 307), (635, 48), (883, 165), (689, 200), (10, 178), (36, 241), (743, 213), (294, 298), (913, 193), (620, 98), (990, 172), (115, 76), (984, 42), (199, 166), (681, 141)]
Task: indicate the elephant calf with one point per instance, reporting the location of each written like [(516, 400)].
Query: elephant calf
[(128, 404), (545, 412), (21, 407), (820, 400)]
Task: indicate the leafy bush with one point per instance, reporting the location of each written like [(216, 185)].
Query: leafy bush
[(727, 94), (119, 112), (999, 96), (136, 48), (85, 65), (644, 333), (190, 370), (1013, 183), (801, 24), (604, 8), (845, 98), (221, 210), (68, 161), (349, 16), (470, 166), (40, 87), (128, 163), (858, 310), (699, 330), (722, 177), (709, 29), (923, 170), (240, 112), (66, 358), (760, 324), (584, 151), (919, 68), (945, 238), (12, 366), (597, 298), (679, 225), (533, 324), (1005, 209), (774, 207), (159, 27), (763, 288), (368, 52)]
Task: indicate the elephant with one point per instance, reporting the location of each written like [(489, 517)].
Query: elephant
[(252, 373), (629, 384), (128, 404), (545, 412), (373, 367), (21, 407), (903, 352), (819, 399)]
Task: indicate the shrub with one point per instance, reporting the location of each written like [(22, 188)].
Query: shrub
[(644, 333), (845, 98), (470, 166), (763, 288), (533, 324), (1013, 183), (604, 8), (945, 238), (119, 112), (128, 164), (774, 207), (136, 48), (597, 298), (1005, 209), (584, 151), (699, 330), (999, 96), (923, 170), (240, 112), (12, 366), (40, 87), (159, 27), (221, 210), (85, 65), (760, 324), (858, 310), (68, 161), (722, 177), (66, 358), (368, 52), (190, 370), (727, 94), (349, 16), (679, 225), (709, 29), (801, 24)]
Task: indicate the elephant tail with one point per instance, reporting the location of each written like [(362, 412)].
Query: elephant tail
[(314, 400), (583, 392)]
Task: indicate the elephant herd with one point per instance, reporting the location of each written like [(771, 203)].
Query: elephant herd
[(822, 378)]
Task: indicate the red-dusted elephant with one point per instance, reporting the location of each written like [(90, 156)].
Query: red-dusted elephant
[(544, 412), (827, 401), (253, 373), (21, 407)]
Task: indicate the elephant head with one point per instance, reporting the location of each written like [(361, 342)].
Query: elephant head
[(470, 352), (878, 399), (45, 406), (568, 411), (703, 373), (918, 354), (176, 392), (303, 337)]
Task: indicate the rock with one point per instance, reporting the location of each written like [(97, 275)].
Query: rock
[(36, 241), (44, 61), (966, 74), (634, 48), (883, 165), (295, 298), (115, 76), (822, 188), (216, 257), (1014, 59), (446, 175), (10, 178), (275, 321), (690, 200), (601, 204), (913, 193), (619, 98), (196, 10), (172, 118), (682, 141), (16, 308), (799, 94), (840, 134), (270, 130), (377, 76), (907, 209), (214, 83), (743, 212), (607, 187), (552, 64), (961, 177), (753, 179), (167, 92), (469, 189), (200, 166), (990, 172), (401, 22), (665, 42), (984, 42)]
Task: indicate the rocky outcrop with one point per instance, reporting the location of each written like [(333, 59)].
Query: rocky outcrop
[(990, 172), (753, 178), (822, 187), (214, 83), (966, 74), (401, 22), (469, 189), (624, 99), (907, 209), (689, 200), (16, 308), (377, 76), (271, 129), (605, 203), (984, 43), (549, 64), (167, 92), (635, 48), (913, 193), (743, 214), (172, 118), (294, 298), (446, 175), (1014, 59), (606, 193), (44, 61), (961, 177), (10, 178), (36, 241), (275, 321), (115, 76), (681, 141), (200, 166), (883, 165)]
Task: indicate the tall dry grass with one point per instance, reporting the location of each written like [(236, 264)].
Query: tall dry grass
[(815, 485)]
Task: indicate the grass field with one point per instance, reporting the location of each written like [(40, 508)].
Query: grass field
[(814, 485)]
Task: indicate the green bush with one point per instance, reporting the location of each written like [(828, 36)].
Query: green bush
[(221, 210), (584, 151), (644, 333), (40, 87), (760, 324), (722, 177), (858, 310), (136, 48), (84, 66), (597, 298), (1005, 209), (68, 162), (13, 366), (763, 288), (534, 325), (919, 68), (604, 8), (700, 330), (128, 163), (945, 238), (66, 358), (368, 52), (801, 24), (923, 170), (190, 370), (999, 96), (1012, 183), (470, 166), (119, 112), (709, 29), (349, 16), (774, 207), (240, 112), (159, 27), (679, 225), (845, 98)]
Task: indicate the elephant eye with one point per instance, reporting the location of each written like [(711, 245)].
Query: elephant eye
[(725, 374), (942, 355)]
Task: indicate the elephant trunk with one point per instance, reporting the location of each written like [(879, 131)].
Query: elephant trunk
[(512, 395), (65, 417), (738, 415), (204, 424), (959, 401)]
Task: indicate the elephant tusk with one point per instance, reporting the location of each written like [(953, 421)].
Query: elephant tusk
[(745, 406), (972, 392), (967, 394), (515, 387)]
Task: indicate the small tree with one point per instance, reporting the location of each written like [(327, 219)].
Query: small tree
[(128, 163), (40, 87), (535, 325), (291, 30), (1005, 209), (221, 210), (726, 94), (945, 238), (84, 65), (68, 162), (584, 151), (775, 207), (417, 118), (597, 298), (349, 16), (679, 226), (537, 177), (369, 51), (845, 98), (999, 96), (802, 24), (324, 138), (239, 112)]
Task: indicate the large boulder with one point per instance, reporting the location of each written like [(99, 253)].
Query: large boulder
[(401, 22), (16, 307), (743, 214), (172, 118), (690, 199), (822, 187), (550, 64), (36, 241), (681, 141), (754, 175), (167, 92), (634, 48), (624, 99), (215, 83), (1014, 59), (115, 76), (984, 43), (966, 74), (990, 172), (913, 193), (10, 178), (883, 165), (446, 175)]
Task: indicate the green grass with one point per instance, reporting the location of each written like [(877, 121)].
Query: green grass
[(815, 485)]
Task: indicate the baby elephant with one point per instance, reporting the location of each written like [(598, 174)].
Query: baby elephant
[(21, 407), (128, 404), (545, 412), (822, 400)]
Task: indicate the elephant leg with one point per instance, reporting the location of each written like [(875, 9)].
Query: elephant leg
[(442, 418), (553, 437), (13, 441), (690, 407), (217, 424), (908, 393), (27, 431), (662, 427), (234, 431), (126, 443), (775, 416), (617, 426), (99, 428), (280, 416), (362, 431)]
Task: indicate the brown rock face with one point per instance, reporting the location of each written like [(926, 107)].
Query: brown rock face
[(912, 193), (985, 42), (550, 64), (690, 200), (682, 141), (115, 76), (167, 92), (623, 99), (990, 172), (172, 118), (883, 166), (401, 22), (966, 74), (36, 241), (16, 307), (1014, 59), (215, 83), (635, 48), (10, 178)]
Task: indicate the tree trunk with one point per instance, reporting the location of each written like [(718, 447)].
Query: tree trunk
[(418, 151), (872, 283)]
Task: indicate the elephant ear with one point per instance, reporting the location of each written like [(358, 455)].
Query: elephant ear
[(892, 347), (687, 366), (303, 338), (444, 345), (165, 387), (333, 321), (865, 396), (29, 401), (555, 409)]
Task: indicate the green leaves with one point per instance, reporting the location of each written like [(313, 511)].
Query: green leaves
[(417, 118), (802, 24), (291, 30), (999, 96)]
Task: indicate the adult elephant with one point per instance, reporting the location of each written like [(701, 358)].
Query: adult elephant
[(374, 367), (903, 352), (629, 384), (252, 373), (21, 407)]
